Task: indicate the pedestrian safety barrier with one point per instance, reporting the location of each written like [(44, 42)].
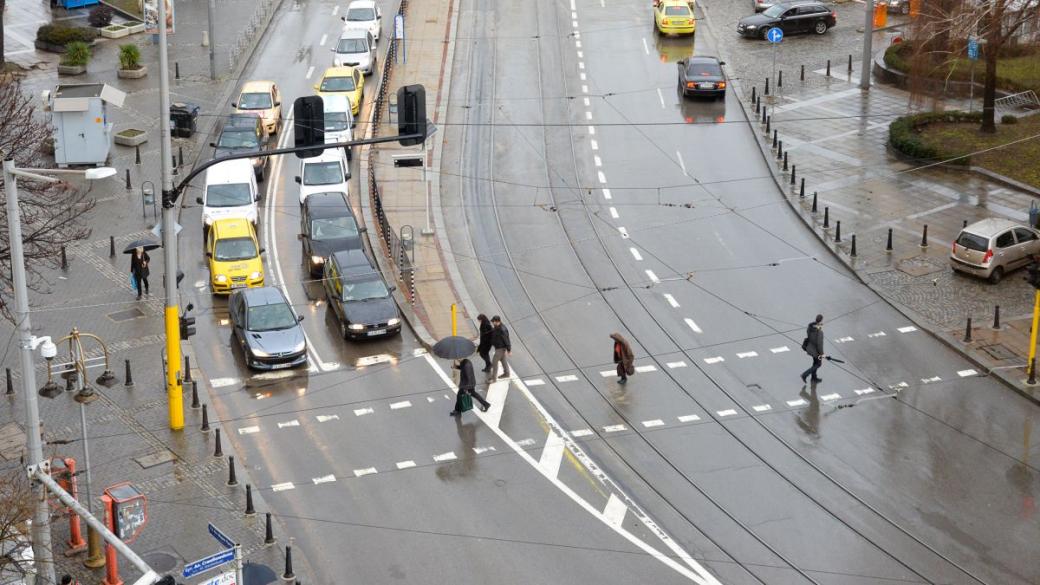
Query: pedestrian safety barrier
[(1024, 100), (247, 37)]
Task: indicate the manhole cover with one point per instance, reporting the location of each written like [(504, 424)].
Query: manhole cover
[(919, 266), (126, 315), (999, 351), (162, 561)]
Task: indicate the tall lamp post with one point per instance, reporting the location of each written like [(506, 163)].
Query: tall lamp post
[(41, 531)]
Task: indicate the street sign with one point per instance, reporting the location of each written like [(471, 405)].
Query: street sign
[(221, 537), (157, 230), (206, 563), (775, 35), (127, 510), (399, 26), (228, 578), (973, 48)]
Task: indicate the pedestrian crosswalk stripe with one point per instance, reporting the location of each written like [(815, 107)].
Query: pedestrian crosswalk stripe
[(248, 430), (931, 380), (399, 405), (907, 329), (863, 391), (780, 349), (552, 454), (365, 471), (615, 511), (689, 418), (645, 369), (676, 364), (799, 402), (607, 373), (878, 334), (567, 378), (834, 396), (714, 360), (290, 423), (966, 373), (525, 442), (653, 423), (281, 487), (693, 325), (727, 412), (581, 433), (362, 411), (534, 381), (614, 428), (327, 417), (762, 407), (405, 464), (324, 479), (747, 354)]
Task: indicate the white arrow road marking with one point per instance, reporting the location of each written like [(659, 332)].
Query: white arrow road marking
[(615, 511), (281, 487), (248, 430), (689, 418), (552, 455), (324, 479)]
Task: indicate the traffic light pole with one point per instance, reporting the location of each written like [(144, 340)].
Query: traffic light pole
[(1032, 334)]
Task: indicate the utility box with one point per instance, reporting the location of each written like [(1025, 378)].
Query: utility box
[(66, 4), (82, 132)]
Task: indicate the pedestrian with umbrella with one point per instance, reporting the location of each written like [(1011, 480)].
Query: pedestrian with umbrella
[(467, 389), (139, 262), (623, 357)]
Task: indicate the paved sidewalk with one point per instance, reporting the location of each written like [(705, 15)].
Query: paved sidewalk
[(836, 136)]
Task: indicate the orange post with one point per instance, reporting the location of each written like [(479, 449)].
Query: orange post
[(880, 15), (111, 558), (915, 8), (64, 471)]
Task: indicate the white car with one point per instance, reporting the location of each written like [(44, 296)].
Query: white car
[(230, 191), (356, 48), (339, 122), (324, 173), (365, 15)]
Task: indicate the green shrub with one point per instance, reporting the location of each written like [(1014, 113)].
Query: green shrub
[(59, 34), (903, 133), (100, 17), (129, 56), (76, 53), (1009, 119)]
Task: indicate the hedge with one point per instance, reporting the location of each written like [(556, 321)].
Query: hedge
[(904, 137), (59, 34)]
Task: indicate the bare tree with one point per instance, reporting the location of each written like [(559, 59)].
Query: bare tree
[(16, 508), (52, 213), (3, 7)]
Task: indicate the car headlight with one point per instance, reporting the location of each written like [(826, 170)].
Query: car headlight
[(258, 352), (751, 27), (318, 259), (300, 347), (393, 321), (356, 327), (207, 219), (254, 276), (221, 278)]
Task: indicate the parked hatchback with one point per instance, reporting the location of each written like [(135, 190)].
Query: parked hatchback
[(267, 329), (359, 297), (790, 17), (993, 247)]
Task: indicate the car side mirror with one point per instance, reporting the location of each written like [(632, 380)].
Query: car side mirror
[(343, 18), (209, 254), (263, 250), (298, 180), (277, 104), (199, 200), (234, 105), (213, 144), (299, 318), (391, 288)]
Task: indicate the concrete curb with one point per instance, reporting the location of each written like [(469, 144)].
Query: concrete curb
[(765, 150)]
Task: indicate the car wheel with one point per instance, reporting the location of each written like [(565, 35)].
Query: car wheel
[(996, 275), (764, 33), (820, 28), (343, 329)]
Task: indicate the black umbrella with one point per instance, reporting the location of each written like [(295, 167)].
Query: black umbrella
[(144, 243), (454, 348)]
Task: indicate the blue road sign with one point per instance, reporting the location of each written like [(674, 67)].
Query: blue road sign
[(775, 35), (221, 537), (206, 563), (973, 48)]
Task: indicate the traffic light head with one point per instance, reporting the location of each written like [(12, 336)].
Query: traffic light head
[(411, 106), (309, 125), (187, 324)]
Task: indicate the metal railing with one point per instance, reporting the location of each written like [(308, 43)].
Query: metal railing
[(1024, 100), (248, 35)]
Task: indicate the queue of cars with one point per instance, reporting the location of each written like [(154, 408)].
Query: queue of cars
[(264, 324)]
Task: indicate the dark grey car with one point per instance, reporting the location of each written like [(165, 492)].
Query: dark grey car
[(244, 133), (327, 226), (358, 296), (267, 329)]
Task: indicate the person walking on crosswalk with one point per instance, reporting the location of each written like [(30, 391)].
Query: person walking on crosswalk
[(467, 390), (813, 345), (503, 348), (623, 357)]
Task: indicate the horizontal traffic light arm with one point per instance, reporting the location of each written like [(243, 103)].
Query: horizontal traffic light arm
[(169, 200)]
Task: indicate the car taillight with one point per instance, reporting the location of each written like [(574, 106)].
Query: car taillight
[(834, 15), (988, 256), (720, 85)]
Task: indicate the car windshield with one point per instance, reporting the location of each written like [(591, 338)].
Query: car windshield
[(337, 84), (361, 14), (336, 121), (352, 46), (234, 249), (333, 228), (973, 242), (255, 101), (775, 10), (676, 11), (322, 173), (229, 195), (364, 290), (703, 70), (270, 317), (238, 139)]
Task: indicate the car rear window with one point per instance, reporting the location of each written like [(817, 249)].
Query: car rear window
[(973, 242), (676, 11), (704, 70)]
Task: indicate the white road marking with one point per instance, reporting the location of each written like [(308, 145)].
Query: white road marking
[(781, 349), (592, 130), (762, 407), (688, 418), (574, 23), (584, 88), (878, 334), (290, 423), (966, 373), (365, 471), (248, 430), (552, 454), (613, 428), (310, 71), (646, 47), (430, 399), (636, 254), (534, 382), (327, 417), (324, 38), (371, 360), (405, 464), (581, 433), (614, 513), (682, 164), (843, 340), (653, 423), (449, 456), (400, 405), (607, 373), (727, 412), (606, 194), (747, 354), (593, 144), (221, 382), (899, 386), (324, 479), (602, 178), (799, 402), (567, 378), (646, 369), (577, 43), (660, 97), (653, 277), (587, 102), (362, 411), (863, 391), (496, 395), (281, 487), (931, 380), (335, 10), (525, 442), (573, 7), (574, 15), (907, 329), (482, 450), (714, 360), (671, 300), (581, 65), (597, 161), (827, 397), (674, 365), (588, 115), (623, 231), (582, 76)]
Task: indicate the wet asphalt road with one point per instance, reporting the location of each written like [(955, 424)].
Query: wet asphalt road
[(714, 462)]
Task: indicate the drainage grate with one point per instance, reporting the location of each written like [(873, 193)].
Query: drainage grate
[(999, 351), (126, 315), (162, 561)]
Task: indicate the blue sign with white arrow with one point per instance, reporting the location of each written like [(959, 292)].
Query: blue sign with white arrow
[(221, 537), (973, 48), (775, 35), (206, 563)]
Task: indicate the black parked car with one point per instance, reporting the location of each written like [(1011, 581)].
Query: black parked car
[(327, 226), (244, 133), (702, 76), (358, 296), (791, 17), (266, 328)]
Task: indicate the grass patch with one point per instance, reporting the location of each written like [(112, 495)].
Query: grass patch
[(128, 6), (1018, 71), (956, 139)]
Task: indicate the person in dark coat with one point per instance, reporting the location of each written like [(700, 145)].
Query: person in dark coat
[(503, 348), (623, 357), (484, 347), (467, 386), (139, 269), (813, 345)]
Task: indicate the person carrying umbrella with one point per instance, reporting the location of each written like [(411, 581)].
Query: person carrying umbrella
[(467, 389), (139, 270)]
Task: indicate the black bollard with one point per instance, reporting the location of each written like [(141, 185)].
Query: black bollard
[(776, 135), (853, 253), (779, 79), (801, 189), (137, 154), (129, 377), (180, 156), (269, 531), (768, 120), (996, 317), (10, 383), (754, 94), (111, 246), (173, 162), (764, 115), (802, 74), (779, 149), (1032, 372), (826, 217), (217, 450), (250, 510), (766, 92), (837, 231), (888, 244), (194, 394), (231, 480), (965, 224), (128, 186), (924, 236), (64, 259), (187, 369), (828, 67), (794, 169), (814, 208), (176, 70), (758, 107), (850, 64), (205, 418), (967, 332), (785, 162), (288, 576)]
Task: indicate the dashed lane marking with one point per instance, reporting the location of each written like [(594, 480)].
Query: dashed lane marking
[(327, 417), (222, 382), (310, 71), (482, 450), (602, 178), (799, 402), (594, 144), (363, 411), (430, 399), (762, 407), (876, 334), (581, 433), (607, 373), (966, 373), (324, 479), (400, 405), (552, 454), (613, 428), (405, 464), (335, 10), (588, 115), (714, 360), (606, 194), (899, 386), (324, 38), (281, 487), (693, 325), (449, 456), (863, 391), (747, 354), (592, 132), (646, 47), (584, 88), (615, 511), (660, 97), (646, 369), (248, 430), (614, 214), (907, 329), (689, 418), (567, 378), (525, 442), (843, 340), (931, 380), (780, 349), (623, 232), (682, 164), (635, 253), (829, 397), (365, 471), (534, 382), (674, 365), (671, 301), (653, 423), (727, 412), (289, 423)]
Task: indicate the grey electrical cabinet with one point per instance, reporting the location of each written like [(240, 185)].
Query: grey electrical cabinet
[(82, 130)]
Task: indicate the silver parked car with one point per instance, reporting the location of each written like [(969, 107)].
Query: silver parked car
[(993, 247)]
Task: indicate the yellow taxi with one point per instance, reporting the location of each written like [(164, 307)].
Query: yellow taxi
[(261, 98), (234, 256), (346, 81), (674, 17)]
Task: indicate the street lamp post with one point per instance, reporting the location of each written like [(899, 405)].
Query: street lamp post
[(41, 531)]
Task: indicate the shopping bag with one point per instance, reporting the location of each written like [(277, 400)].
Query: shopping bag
[(133, 281), (466, 400)]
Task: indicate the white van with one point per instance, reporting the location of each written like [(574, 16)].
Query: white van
[(230, 192), (321, 174), (338, 120)]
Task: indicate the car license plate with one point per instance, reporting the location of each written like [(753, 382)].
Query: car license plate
[(280, 366), (706, 85), (376, 332), (239, 285)]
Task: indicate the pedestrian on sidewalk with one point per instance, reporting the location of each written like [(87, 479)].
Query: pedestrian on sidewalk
[(139, 269), (503, 348), (467, 387), (484, 347), (623, 357), (813, 345)]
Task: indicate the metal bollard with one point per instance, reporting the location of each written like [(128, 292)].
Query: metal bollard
[(173, 159), (768, 120), (776, 135), (195, 394), (794, 169), (111, 246), (853, 252), (779, 149), (250, 510), (850, 64), (187, 369), (232, 480), (924, 237), (801, 189), (764, 117), (269, 531), (137, 154), (965, 224), (967, 332), (176, 70), (837, 231), (129, 377), (64, 259), (217, 450), (785, 162), (288, 576), (1032, 372), (814, 202), (758, 108), (128, 186), (766, 92), (779, 79), (996, 317), (828, 67), (826, 217), (205, 418), (10, 383), (888, 244), (754, 95), (180, 156), (802, 74)]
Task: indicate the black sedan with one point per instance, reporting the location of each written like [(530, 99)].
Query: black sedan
[(702, 76), (244, 133), (327, 226), (790, 17)]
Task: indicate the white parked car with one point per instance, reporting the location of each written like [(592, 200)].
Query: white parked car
[(230, 191), (356, 48), (324, 173), (364, 15)]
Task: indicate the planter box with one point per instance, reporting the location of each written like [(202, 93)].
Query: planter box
[(50, 48), (131, 137), (132, 73), (115, 31), (71, 69), (133, 29)]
